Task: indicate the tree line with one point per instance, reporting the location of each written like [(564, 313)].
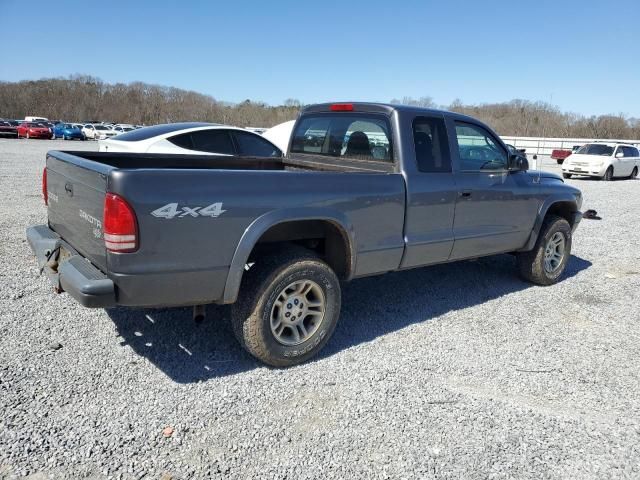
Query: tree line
[(83, 98)]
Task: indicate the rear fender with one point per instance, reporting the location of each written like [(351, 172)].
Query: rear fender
[(254, 232)]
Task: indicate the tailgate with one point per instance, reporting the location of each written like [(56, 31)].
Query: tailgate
[(76, 200)]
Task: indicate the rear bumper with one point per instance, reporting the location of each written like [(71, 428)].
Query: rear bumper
[(68, 271)]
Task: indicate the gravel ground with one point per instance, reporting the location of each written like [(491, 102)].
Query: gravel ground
[(455, 371)]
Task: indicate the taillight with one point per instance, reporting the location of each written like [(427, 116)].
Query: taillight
[(342, 107), (45, 195), (119, 225)]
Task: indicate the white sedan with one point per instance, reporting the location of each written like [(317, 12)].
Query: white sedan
[(603, 160), (98, 132), (192, 139)]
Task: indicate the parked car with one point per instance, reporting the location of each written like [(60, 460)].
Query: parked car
[(603, 160), (33, 130), (122, 129), (275, 236), (67, 131), (8, 129), (560, 155), (98, 132), (35, 119), (192, 139), (280, 135)]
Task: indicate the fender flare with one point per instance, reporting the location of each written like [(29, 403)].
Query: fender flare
[(542, 213), (263, 223)]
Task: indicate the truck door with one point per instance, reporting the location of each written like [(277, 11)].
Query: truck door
[(431, 193), (495, 208)]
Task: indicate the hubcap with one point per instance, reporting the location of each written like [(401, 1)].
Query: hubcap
[(554, 252), (297, 312)]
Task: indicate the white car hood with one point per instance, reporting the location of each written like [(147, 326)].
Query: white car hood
[(582, 158), (280, 135)]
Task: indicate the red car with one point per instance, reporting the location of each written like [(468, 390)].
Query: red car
[(560, 155), (34, 130)]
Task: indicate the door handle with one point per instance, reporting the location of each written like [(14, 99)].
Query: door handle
[(465, 193)]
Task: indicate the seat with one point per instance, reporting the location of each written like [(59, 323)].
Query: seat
[(424, 148), (358, 145)]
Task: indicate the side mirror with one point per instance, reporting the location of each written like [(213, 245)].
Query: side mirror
[(619, 154), (517, 163)]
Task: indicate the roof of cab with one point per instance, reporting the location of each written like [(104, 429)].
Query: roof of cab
[(387, 108)]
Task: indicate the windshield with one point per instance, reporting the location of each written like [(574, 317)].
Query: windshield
[(100, 127), (596, 149)]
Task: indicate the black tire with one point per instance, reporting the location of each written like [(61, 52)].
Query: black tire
[(53, 136), (260, 289), (634, 173), (27, 135), (531, 264), (559, 161), (566, 175), (608, 175)]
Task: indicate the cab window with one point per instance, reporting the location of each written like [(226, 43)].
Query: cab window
[(478, 149), (431, 147), (355, 136)]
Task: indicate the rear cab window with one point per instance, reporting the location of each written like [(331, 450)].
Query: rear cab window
[(357, 136)]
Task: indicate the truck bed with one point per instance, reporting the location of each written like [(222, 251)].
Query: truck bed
[(196, 250), (224, 162)]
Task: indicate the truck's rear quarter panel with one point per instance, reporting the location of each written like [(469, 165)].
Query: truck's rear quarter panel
[(186, 258)]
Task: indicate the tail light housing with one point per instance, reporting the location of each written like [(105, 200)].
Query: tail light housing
[(119, 224), (45, 195)]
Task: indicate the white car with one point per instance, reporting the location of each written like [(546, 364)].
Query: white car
[(98, 132), (603, 160), (280, 134), (191, 139), (122, 128)]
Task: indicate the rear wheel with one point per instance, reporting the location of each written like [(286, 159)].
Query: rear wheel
[(546, 262), (634, 173), (287, 309), (566, 175), (608, 175)]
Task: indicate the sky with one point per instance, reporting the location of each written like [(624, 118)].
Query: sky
[(583, 56)]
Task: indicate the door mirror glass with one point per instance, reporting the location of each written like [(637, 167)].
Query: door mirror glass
[(619, 154)]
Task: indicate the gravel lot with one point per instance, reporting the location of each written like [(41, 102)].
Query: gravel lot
[(455, 371)]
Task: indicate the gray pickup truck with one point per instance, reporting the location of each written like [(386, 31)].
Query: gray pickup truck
[(365, 189)]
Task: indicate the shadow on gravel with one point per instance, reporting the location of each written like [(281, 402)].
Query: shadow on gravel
[(371, 307)]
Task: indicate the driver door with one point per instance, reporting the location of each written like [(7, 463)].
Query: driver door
[(495, 208)]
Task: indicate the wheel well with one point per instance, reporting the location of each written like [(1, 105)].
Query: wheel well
[(564, 210), (324, 237)]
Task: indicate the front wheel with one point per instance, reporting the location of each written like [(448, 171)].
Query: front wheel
[(287, 309), (634, 173), (545, 263), (566, 175), (608, 175), (53, 136), (27, 135)]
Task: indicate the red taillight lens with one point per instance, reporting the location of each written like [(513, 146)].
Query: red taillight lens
[(119, 225), (342, 107), (44, 186)]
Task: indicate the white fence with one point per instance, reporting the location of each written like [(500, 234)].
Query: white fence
[(544, 146)]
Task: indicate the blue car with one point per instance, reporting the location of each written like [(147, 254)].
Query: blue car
[(66, 131)]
